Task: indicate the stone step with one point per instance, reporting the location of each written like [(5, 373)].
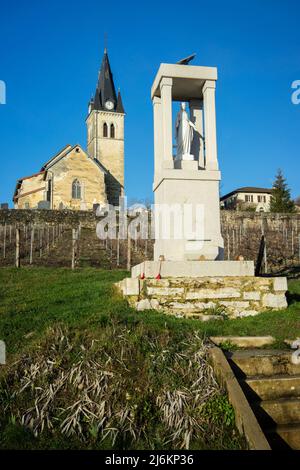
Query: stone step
[(262, 362), (269, 388), (279, 411), (284, 436)]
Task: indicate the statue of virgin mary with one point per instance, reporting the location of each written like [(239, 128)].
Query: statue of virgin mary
[(184, 131)]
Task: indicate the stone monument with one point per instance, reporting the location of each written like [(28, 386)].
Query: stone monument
[(193, 176), (188, 273)]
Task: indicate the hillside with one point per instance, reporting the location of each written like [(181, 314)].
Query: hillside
[(86, 371)]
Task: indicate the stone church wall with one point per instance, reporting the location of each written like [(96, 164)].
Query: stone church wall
[(76, 165)]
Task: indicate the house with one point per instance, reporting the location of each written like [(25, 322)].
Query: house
[(247, 198)]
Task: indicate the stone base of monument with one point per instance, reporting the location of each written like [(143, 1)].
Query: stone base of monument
[(201, 296), (193, 268)]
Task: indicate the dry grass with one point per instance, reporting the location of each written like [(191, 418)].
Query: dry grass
[(124, 387)]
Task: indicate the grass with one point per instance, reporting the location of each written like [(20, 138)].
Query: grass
[(32, 299), (64, 329)]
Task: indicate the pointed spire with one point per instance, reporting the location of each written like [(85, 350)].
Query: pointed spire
[(120, 107), (105, 91)]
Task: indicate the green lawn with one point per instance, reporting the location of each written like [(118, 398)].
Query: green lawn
[(31, 299), (77, 351)]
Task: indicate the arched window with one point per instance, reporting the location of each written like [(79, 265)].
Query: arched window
[(76, 190), (112, 131), (105, 133)]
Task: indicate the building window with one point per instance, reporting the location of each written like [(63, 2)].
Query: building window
[(49, 191), (76, 190), (105, 130), (264, 199), (248, 198), (112, 131), (27, 205)]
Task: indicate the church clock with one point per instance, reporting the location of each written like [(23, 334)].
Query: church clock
[(109, 105)]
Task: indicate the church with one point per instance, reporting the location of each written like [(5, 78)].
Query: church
[(80, 179)]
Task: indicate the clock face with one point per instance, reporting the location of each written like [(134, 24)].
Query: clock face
[(109, 105)]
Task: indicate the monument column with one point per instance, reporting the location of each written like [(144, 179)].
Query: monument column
[(158, 150), (166, 105), (210, 125), (197, 149)]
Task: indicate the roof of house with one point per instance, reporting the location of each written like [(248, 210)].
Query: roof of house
[(247, 189)]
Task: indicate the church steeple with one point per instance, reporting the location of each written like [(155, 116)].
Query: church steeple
[(105, 126), (120, 107), (105, 96)]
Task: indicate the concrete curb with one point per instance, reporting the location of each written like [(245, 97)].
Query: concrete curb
[(245, 419), (244, 341)]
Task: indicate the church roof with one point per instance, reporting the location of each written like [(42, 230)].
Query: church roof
[(65, 151), (20, 181), (120, 107), (105, 87)]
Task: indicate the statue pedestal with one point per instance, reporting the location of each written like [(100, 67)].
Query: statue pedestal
[(188, 157), (186, 165), (204, 296), (181, 194)]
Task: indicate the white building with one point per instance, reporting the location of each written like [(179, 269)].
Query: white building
[(247, 198)]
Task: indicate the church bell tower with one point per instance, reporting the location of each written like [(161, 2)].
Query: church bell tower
[(105, 131)]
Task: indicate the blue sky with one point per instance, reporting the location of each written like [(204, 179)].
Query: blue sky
[(51, 53)]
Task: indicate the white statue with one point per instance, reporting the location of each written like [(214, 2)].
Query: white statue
[(184, 131)]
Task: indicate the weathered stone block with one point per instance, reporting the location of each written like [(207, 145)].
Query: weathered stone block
[(252, 295), (165, 291), (143, 304), (155, 304), (158, 282), (246, 313), (182, 306), (280, 284), (263, 281), (274, 301), (235, 304), (223, 293), (130, 286), (205, 305), (244, 341)]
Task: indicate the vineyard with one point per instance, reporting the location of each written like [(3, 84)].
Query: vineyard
[(69, 239)]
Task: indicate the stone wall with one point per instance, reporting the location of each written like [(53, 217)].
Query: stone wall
[(207, 298), (242, 232), (69, 218)]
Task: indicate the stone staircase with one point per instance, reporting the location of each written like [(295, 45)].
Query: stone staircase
[(271, 384)]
